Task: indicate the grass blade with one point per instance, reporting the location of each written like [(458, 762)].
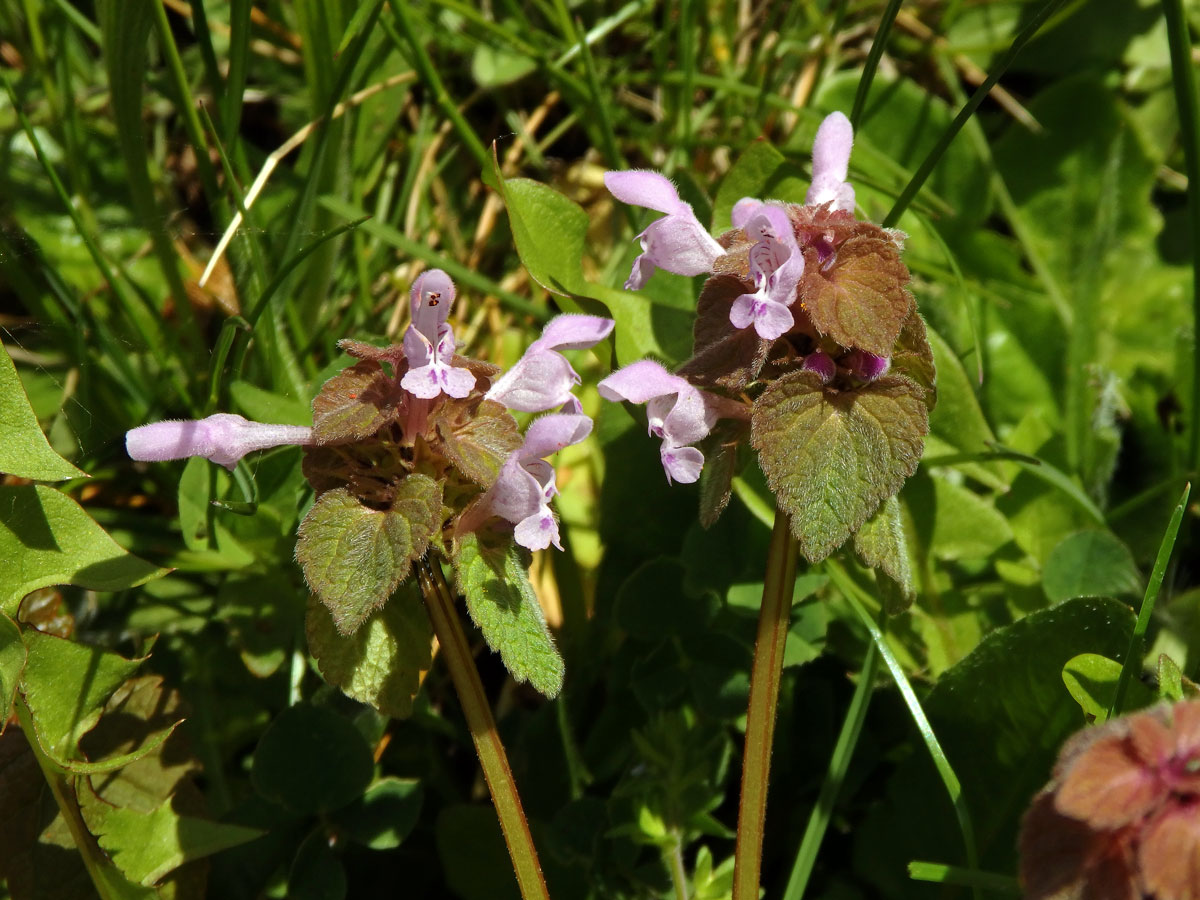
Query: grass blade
[(931, 160), (1133, 657), (953, 787), (873, 55), (944, 874), (835, 775)]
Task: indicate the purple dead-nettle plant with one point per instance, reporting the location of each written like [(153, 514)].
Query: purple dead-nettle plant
[(413, 451), (807, 347)]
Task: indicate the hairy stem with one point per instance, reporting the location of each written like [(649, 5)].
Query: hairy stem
[(773, 621), (492, 757)]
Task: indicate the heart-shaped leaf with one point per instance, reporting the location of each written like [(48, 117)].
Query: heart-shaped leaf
[(832, 457), (354, 556)]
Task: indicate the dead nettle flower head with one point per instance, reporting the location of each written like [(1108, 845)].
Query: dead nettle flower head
[(677, 412), (831, 163), (223, 438), (435, 415), (1121, 817), (543, 379)]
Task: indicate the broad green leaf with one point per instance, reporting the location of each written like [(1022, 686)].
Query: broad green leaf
[(12, 664), (952, 522), (1092, 680), (24, 450), (478, 439), (145, 846), (65, 685), (471, 848), (355, 404), (312, 760), (1091, 564), (380, 664), (354, 557), (832, 457), (502, 604), (266, 406), (880, 543), (385, 815), (862, 300), (46, 538), (760, 172)]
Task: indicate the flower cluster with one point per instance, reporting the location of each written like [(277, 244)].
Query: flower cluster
[(1121, 816), (805, 324), (436, 413)]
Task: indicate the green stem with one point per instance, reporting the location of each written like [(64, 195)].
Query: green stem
[(110, 884), (765, 672), (843, 750), (1134, 655), (673, 855), (457, 654)]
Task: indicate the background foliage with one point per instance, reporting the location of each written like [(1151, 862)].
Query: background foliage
[(1052, 260)]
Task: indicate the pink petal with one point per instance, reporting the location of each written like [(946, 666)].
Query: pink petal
[(422, 382), (744, 210), (223, 438), (549, 434), (682, 464), (456, 381), (641, 187), (430, 299), (542, 379), (680, 244), (539, 531), (832, 146), (572, 331), (1107, 786), (515, 495), (640, 382)]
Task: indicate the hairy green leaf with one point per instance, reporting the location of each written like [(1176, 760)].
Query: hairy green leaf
[(832, 457), (46, 538), (502, 604), (355, 403), (24, 450), (354, 556), (65, 685), (862, 300), (913, 356), (720, 465), (380, 664), (880, 543), (477, 438)]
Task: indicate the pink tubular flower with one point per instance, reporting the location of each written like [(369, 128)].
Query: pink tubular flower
[(429, 341), (542, 379), (677, 242), (223, 438), (866, 366), (776, 265), (678, 413), (522, 491), (831, 162)]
